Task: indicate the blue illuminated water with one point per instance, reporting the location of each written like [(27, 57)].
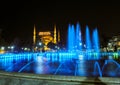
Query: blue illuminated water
[(78, 38), (71, 37), (76, 44), (88, 40), (96, 43), (60, 63)]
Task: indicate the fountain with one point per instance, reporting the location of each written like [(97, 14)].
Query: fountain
[(78, 40), (71, 38), (75, 42), (82, 58), (74, 38), (88, 40), (91, 50)]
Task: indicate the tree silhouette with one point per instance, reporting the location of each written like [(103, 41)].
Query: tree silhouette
[(51, 45)]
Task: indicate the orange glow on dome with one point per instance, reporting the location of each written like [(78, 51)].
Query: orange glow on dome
[(44, 33)]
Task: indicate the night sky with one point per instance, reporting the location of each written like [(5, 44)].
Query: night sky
[(18, 18)]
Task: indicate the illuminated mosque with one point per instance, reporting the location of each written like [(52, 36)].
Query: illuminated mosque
[(44, 38)]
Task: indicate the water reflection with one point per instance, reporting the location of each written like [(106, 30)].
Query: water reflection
[(40, 65), (61, 64)]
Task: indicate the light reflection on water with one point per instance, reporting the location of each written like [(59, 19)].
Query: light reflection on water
[(61, 65)]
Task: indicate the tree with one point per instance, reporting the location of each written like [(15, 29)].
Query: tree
[(104, 40), (17, 44), (51, 45)]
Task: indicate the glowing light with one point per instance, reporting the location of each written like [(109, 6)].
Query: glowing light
[(119, 43), (25, 48), (2, 48), (12, 47), (58, 36), (55, 41), (88, 41), (34, 36), (80, 44), (40, 43), (2, 51), (39, 59), (8, 47), (81, 57), (96, 65), (115, 55), (44, 33)]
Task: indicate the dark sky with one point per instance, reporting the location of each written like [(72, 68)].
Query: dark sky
[(18, 18)]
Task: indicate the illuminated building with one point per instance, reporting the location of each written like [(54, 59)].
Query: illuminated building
[(45, 38), (34, 38), (49, 36), (54, 41), (58, 36), (114, 43)]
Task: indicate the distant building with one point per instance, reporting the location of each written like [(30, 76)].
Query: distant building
[(45, 37), (114, 43)]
